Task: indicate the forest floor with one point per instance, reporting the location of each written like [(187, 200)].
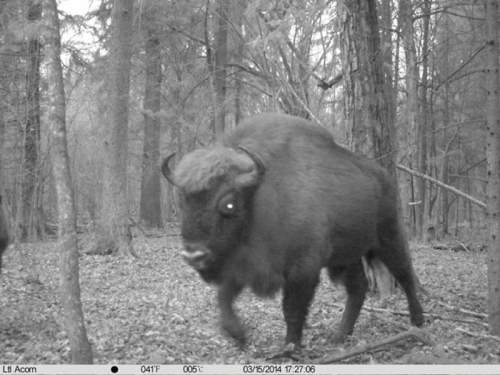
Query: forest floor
[(156, 310)]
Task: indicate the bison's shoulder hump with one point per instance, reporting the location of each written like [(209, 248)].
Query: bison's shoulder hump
[(271, 132), (274, 124)]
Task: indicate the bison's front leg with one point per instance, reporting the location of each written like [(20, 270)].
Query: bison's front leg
[(230, 323), (297, 296)]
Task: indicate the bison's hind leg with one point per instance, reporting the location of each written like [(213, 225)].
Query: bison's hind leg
[(297, 296), (356, 285), (394, 254)]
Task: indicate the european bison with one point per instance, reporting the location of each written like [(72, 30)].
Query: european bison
[(4, 231), (276, 201)]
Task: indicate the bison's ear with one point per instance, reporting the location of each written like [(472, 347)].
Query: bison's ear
[(165, 169), (254, 176)]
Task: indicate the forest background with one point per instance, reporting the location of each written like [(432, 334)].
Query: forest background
[(281, 56)]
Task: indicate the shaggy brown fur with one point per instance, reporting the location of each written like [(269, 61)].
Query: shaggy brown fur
[(198, 170)]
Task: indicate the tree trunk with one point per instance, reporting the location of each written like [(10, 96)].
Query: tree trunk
[(355, 73), (408, 34), (238, 59), (5, 237), (150, 187), (220, 66), (4, 100), (30, 224), (80, 350), (115, 235), (423, 123), (386, 42), (493, 164), (367, 106)]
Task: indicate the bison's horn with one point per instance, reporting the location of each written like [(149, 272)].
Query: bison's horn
[(253, 177), (165, 169)]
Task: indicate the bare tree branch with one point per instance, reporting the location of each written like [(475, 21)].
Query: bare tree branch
[(442, 185)]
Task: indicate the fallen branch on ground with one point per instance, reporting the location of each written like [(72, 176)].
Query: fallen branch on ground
[(483, 336), (378, 309), (394, 312), (430, 315), (464, 311), (417, 333)]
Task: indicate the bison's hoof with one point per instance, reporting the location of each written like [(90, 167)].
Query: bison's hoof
[(291, 350), (418, 320), (338, 337), (236, 332)]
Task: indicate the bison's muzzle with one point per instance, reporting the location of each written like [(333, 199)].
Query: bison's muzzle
[(197, 255)]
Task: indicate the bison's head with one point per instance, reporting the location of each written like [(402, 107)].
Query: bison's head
[(215, 188)]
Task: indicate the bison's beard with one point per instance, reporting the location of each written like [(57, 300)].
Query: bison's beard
[(263, 281), (212, 275)]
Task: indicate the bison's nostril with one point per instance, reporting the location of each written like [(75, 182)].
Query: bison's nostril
[(195, 255)]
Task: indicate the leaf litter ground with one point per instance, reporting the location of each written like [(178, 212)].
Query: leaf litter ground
[(157, 310)]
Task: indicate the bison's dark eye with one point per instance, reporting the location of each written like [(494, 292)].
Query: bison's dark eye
[(227, 205)]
